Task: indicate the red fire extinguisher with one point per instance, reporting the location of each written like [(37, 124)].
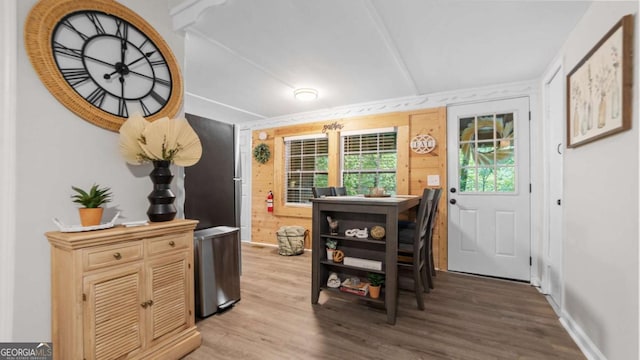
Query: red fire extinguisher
[(270, 201)]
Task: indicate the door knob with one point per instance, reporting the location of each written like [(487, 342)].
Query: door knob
[(452, 201), (453, 190), (559, 202)]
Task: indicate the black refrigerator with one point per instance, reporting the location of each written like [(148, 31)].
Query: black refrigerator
[(212, 193)]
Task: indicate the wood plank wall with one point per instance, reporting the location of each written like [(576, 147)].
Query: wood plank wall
[(413, 170)]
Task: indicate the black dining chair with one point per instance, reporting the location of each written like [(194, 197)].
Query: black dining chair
[(412, 253), (408, 227), (322, 191), (433, 217), (340, 191)]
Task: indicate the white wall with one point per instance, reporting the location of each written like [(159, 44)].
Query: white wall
[(56, 149), (601, 215)]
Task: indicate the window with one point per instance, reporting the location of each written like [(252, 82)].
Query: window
[(486, 153), (306, 166), (369, 159)]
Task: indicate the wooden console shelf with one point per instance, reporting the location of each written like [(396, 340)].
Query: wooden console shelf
[(124, 293)]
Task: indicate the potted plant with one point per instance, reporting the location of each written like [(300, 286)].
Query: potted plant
[(375, 283), (91, 213), (331, 246)]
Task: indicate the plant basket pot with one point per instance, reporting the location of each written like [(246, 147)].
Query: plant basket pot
[(374, 291), (330, 254), (90, 216)]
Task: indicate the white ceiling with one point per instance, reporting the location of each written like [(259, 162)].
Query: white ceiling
[(245, 57)]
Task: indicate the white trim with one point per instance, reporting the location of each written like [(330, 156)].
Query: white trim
[(195, 96), (368, 131), (589, 349), (188, 12), (409, 103), (556, 69), (233, 52), (390, 45), (305, 137), (8, 79)]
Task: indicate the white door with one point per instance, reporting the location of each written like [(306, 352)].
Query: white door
[(554, 144), (488, 172)]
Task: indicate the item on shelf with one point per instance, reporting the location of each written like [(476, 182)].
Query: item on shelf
[(361, 234), (360, 289), (377, 232), (375, 283), (333, 226), (338, 256), (331, 245), (333, 281), (363, 263), (91, 212), (78, 228)]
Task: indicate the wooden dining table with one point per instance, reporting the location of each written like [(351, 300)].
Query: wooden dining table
[(359, 212)]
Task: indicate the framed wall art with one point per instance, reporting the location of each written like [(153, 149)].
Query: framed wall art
[(599, 88)]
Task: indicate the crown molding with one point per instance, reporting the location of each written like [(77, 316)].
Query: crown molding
[(188, 12), (410, 103)]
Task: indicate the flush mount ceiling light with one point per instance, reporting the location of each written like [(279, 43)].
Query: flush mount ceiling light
[(305, 94)]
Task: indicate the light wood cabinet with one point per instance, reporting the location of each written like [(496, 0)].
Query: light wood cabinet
[(124, 293)]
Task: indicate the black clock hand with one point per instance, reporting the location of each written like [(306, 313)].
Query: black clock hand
[(123, 69), (146, 55), (97, 60), (158, 80), (123, 49)]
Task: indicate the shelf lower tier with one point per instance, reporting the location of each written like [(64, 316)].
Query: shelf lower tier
[(337, 292), (343, 266)]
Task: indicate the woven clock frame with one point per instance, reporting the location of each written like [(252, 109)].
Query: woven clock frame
[(37, 37)]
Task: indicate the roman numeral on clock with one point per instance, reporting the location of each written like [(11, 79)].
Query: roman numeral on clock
[(122, 108), (63, 50), (157, 97), (75, 76), (157, 62), (122, 30), (97, 96), (70, 26), (96, 22), (145, 109)]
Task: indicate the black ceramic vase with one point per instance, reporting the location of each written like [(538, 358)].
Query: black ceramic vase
[(161, 199)]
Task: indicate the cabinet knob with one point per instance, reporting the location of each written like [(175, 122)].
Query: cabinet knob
[(172, 243), (150, 302), (117, 256), (144, 304)]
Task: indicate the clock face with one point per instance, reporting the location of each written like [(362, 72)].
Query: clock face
[(102, 61), (111, 64)]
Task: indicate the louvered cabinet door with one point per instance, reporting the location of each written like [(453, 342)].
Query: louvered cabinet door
[(168, 282), (113, 315)]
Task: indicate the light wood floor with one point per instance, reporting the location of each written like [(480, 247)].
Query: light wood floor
[(465, 317)]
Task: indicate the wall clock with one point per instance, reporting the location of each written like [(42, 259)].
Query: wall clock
[(102, 61)]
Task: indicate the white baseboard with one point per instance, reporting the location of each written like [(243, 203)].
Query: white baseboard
[(589, 349), (535, 281)]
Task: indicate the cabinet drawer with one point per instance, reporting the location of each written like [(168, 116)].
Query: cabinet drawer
[(162, 244), (98, 257)]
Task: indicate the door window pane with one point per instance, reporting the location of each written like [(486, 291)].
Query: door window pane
[(486, 156)]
